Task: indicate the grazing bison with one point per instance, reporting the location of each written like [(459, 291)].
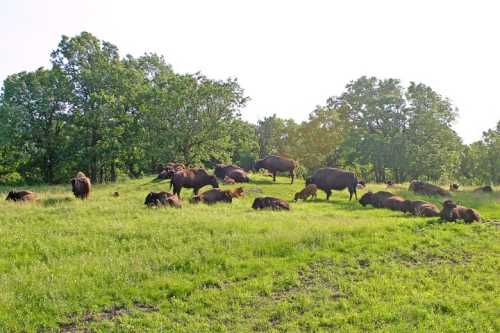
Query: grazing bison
[(275, 164), (192, 178), (375, 199), (328, 179), (81, 186), (420, 208), (485, 189), (454, 187), (21, 196), (162, 199), (427, 189), (232, 171), (270, 202), (309, 191), (452, 212)]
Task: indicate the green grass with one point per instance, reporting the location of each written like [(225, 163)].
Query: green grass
[(111, 265)]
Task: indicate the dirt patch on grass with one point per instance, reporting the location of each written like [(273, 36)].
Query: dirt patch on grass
[(80, 325)]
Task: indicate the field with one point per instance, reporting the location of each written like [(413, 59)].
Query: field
[(112, 265)]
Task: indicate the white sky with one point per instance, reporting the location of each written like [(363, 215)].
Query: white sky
[(288, 55)]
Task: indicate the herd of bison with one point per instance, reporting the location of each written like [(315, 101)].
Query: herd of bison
[(325, 179)]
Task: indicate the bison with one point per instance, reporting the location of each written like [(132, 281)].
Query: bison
[(81, 186), (232, 171), (192, 178), (454, 187), (170, 169), (485, 189), (213, 196), (21, 196), (452, 212), (270, 202), (275, 164), (162, 199), (328, 179), (427, 189), (309, 191), (394, 203), (375, 199), (420, 208)]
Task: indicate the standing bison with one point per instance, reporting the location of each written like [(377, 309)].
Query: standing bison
[(275, 164), (192, 178), (232, 171), (81, 186), (328, 179)]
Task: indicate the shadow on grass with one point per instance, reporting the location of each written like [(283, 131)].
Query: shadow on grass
[(54, 201)]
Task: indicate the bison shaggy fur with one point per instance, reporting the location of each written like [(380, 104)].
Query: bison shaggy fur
[(452, 212), (270, 202), (81, 186)]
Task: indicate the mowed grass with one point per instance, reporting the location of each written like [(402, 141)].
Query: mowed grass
[(112, 265)]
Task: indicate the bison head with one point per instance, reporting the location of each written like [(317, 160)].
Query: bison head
[(11, 196), (366, 199), (258, 203), (213, 181), (258, 165)]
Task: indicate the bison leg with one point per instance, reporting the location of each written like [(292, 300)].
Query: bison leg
[(328, 194), (177, 190), (274, 176), (292, 175), (351, 191), (195, 190)]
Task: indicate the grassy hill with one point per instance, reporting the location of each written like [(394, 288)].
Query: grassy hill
[(111, 265)]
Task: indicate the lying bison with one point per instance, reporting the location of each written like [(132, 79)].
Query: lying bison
[(420, 208), (217, 195), (485, 189), (375, 199), (159, 199), (427, 189), (81, 186), (232, 171), (192, 178), (21, 196), (328, 179), (270, 202), (452, 212), (275, 164)]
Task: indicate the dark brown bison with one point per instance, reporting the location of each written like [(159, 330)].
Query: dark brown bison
[(375, 199), (309, 191), (270, 202), (232, 171), (328, 179), (21, 196), (217, 195), (159, 199), (275, 164), (454, 187), (427, 189), (420, 208), (452, 212), (394, 203), (485, 189), (192, 178), (170, 169), (81, 186)]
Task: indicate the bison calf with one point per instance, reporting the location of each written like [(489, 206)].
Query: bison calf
[(452, 212), (21, 196), (270, 202), (309, 191)]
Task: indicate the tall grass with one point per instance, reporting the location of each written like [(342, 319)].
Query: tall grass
[(111, 264)]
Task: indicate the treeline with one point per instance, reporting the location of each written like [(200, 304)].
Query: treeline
[(113, 116)]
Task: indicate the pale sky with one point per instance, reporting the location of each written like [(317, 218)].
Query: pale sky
[(289, 56)]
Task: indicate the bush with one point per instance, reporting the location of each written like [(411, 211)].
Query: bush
[(11, 179)]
